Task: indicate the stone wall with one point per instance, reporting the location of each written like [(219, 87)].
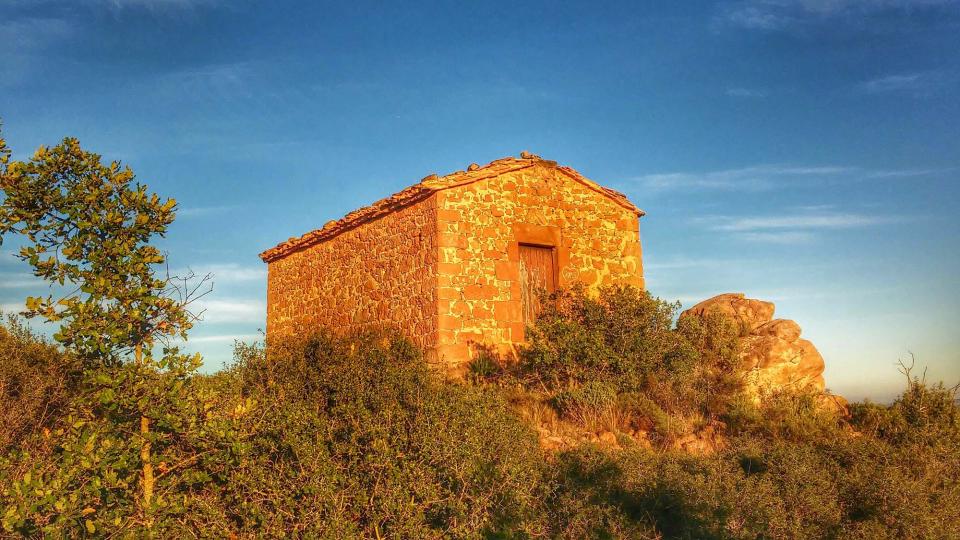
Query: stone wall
[(382, 271), (440, 260), (481, 225)]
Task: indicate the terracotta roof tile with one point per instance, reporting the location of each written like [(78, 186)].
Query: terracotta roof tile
[(426, 187)]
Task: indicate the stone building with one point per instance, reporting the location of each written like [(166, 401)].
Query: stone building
[(457, 260)]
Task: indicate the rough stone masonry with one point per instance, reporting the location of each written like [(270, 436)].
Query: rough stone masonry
[(456, 262)]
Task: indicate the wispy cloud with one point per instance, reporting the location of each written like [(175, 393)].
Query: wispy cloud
[(740, 92), (232, 310), (775, 15), (226, 273), (753, 178), (26, 43), (907, 173), (765, 177), (12, 308), (202, 211), (18, 280), (893, 83), (152, 5), (797, 228), (778, 237), (810, 221), (157, 4), (29, 34), (225, 338), (676, 263), (920, 84), (219, 82)]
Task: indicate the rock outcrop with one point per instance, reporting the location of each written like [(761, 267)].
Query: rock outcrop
[(773, 356)]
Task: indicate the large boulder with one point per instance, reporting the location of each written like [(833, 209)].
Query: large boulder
[(773, 356), (748, 313)]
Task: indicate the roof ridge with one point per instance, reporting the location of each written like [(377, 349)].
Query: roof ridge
[(427, 186)]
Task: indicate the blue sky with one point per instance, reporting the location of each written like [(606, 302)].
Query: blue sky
[(806, 152)]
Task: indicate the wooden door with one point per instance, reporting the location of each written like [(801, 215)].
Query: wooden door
[(538, 273)]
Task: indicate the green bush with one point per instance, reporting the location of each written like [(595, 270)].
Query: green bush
[(87, 475), (623, 335), (589, 398), (37, 382), (625, 339), (357, 437), (924, 415), (758, 488), (795, 415)]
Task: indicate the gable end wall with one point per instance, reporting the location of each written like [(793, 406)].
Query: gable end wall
[(596, 241)]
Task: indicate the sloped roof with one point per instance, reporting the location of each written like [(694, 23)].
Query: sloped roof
[(427, 187)]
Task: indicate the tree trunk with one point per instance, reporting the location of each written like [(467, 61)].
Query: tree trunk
[(147, 466), (145, 458)]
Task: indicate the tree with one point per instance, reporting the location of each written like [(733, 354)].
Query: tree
[(88, 228)]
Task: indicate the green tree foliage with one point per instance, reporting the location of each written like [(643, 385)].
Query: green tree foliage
[(91, 468), (89, 227)]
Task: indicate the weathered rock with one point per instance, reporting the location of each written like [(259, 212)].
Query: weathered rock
[(747, 312), (608, 438), (782, 328), (704, 442), (773, 356)]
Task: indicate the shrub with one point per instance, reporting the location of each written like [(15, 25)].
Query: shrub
[(37, 382), (783, 415), (757, 488), (621, 336), (589, 398), (924, 415), (356, 437), (87, 477), (623, 339)]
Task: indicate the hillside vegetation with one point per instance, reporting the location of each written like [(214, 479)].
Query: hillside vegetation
[(356, 437)]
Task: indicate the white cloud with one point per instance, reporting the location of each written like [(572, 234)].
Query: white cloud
[(907, 173), (227, 273), (796, 228), (814, 221), (154, 4), (766, 177), (774, 15), (233, 310), (26, 43), (221, 83), (757, 17), (19, 281), (918, 85), (892, 83), (11, 308), (752, 178), (200, 211), (226, 338), (746, 92), (781, 237)]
